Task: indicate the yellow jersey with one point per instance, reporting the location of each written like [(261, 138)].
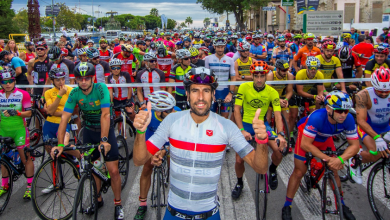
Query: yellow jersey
[(251, 100), (279, 87), (50, 97), (200, 42), (328, 68), (244, 68), (302, 75)]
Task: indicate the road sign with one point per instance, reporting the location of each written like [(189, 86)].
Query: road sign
[(269, 8), (323, 22), (287, 2)]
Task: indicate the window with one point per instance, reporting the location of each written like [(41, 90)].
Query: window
[(377, 11), (349, 12)]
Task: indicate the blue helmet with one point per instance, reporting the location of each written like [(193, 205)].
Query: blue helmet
[(338, 100)]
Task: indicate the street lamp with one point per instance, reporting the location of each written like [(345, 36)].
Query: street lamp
[(99, 12)]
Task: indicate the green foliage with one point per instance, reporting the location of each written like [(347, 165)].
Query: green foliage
[(171, 24), (189, 20), (182, 25), (154, 12), (21, 20), (67, 18), (6, 16)]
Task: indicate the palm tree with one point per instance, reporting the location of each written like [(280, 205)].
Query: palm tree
[(189, 21), (206, 20), (154, 12), (183, 25)]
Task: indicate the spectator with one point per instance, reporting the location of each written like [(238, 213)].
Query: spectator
[(116, 40), (354, 34), (385, 32), (369, 40), (11, 47), (67, 44), (366, 33), (380, 39)]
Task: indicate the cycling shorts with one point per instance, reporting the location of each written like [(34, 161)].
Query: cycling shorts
[(94, 137), (249, 128), (301, 154), (221, 94), (50, 130), (295, 102), (20, 136), (169, 216), (363, 134)]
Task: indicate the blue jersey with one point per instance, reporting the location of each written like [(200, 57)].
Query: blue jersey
[(316, 127), (154, 123)]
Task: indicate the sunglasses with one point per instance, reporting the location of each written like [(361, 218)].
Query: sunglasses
[(86, 78), (244, 50), (7, 81), (40, 49), (187, 58), (313, 68), (341, 111), (382, 92), (168, 111), (197, 79), (285, 70), (152, 61), (116, 68), (264, 72), (195, 57)]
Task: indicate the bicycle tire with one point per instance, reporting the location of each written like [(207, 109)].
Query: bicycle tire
[(129, 129), (344, 172), (78, 212), (4, 203), (66, 206), (80, 135), (304, 184), (159, 185), (335, 196), (123, 161), (286, 134), (373, 189), (261, 196)]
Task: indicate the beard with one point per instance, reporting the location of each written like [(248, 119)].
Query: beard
[(196, 112)]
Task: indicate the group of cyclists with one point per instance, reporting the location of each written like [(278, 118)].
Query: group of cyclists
[(184, 117)]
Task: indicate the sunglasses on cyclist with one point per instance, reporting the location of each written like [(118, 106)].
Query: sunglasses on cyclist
[(195, 57), (152, 61), (168, 111), (7, 81), (382, 92), (313, 68), (187, 58), (285, 70), (197, 79), (264, 72), (116, 68), (341, 111), (40, 49)]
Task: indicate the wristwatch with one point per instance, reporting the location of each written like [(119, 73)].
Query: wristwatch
[(141, 103), (282, 133), (242, 77), (232, 92), (104, 139)]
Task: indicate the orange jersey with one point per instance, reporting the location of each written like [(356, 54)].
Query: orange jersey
[(304, 52)]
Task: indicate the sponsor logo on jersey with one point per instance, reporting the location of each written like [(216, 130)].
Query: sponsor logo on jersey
[(209, 133), (375, 101), (97, 103), (311, 128), (10, 100)]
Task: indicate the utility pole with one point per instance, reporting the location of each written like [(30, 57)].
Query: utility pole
[(54, 21), (93, 21)]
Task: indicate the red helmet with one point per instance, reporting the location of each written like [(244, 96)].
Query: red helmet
[(205, 50), (329, 45), (248, 37), (380, 79), (64, 52), (382, 50), (288, 35)]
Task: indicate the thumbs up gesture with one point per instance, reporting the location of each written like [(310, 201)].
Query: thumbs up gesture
[(142, 119), (259, 127)]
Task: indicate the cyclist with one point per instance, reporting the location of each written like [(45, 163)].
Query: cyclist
[(165, 60), (15, 107), (38, 68), (82, 55), (346, 37), (269, 45), (187, 43), (127, 58), (252, 96), (372, 116), (379, 60), (102, 69), (330, 65), (29, 54), (210, 133), (308, 50), (197, 40), (163, 104), (105, 54), (195, 57), (94, 101), (282, 52), (243, 63), (90, 43), (223, 67), (257, 50), (67, 66), (349, 60), (17, 64), (151, 74), (139, 51), (315, 134)]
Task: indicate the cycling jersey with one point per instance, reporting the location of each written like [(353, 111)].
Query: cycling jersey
[(378, 115), (51, 96), (243, 68), (67, 66), (177, 73), (119, 93), (105, 55), (347, 66), (22, 78), (294, 48), (251, 100), (270, 48), (197, 153), (363, 48), (169, 43), (200, 42), (139, 57), (279, 87), (154, 123), (302, 75), (29, 56), (223, 68), (257, 50), (372, 65), (102, 70), (127, 63), (91, 105), (152, 76), (304, 52), (329, 68), (285, 54), (165, 64), (40, 73)]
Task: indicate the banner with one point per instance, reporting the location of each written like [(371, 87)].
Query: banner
[(164, 21), (312, 5)]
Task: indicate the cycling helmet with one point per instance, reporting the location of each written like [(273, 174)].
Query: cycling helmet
[(81, 51), (168, 33), (54, 53), (196, 46), (205, 50), (122, 39), (270, 36), (84, 69), (202, 36), (288, 35), (282, 64), (176, 34), (197, 35), (339, 45), (248, 37), (115, 62), (338, 100), (312, 62), (315, 40), (182, 53), (90, 41), (329, 45), (92, 53), (309, 36), (219, 41), (28, 43), (127, 48), (150, 56), (243, 46), (187, 39), (4, 53), (162, 34), (380, 79), (153, 45), (103, 40), (148, 38), (346, 35), (82, 40), (281, 38), (259, 67), (234, 36), (382, 50), (194, 51), (7, 73), (179, 43), (161, 100), (140, 42), (40, 44), (200, 75), (56, 73), (64, 52), (162, 50), (297, 36), (344, 54), (257, 36)]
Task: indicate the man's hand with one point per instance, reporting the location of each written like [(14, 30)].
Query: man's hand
[(63, 90), (283, 103), (142, 119), (320, 98), (334, 163), (381, 146), (283, 143), (107, 147), (157, 158), (259, 127), (247, 135), (228, 98), (352, 87), (60, 150)]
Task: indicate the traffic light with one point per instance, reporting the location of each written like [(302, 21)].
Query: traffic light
[(274, 19)]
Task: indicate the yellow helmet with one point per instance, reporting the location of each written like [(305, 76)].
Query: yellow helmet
[(194, 52), (346, 35)]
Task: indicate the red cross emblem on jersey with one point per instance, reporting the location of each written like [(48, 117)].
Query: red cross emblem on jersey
[(209, 133), (224, 61)]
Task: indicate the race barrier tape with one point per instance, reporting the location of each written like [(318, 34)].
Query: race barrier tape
[(228, 83)]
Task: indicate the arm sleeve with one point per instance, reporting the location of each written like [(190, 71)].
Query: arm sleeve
[(237, 140), (369, 67), (206, 63), (138, 76), (160, 137), (350, 128), (71, 69), (172, 73), (104, 95), (337, 63), (274, 53), (162, 75), (240, 95), (298, 55), (356, 60), (15, 63), (106, 68), (71, 102), (26, 101), (135, 59), (127, 76), (232, 70), (109, 82), (274, 97)]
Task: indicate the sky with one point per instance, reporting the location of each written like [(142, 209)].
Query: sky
[(174, 9)]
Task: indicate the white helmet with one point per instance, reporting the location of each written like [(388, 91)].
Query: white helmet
[(270, 36), (161, 100), (243, 46), (150, 56), (380, 79), (339, 45), (81, 51), (183, 53), (219, 41), (115, 62), (313, 62)]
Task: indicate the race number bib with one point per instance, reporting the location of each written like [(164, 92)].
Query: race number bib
[(35, 77)]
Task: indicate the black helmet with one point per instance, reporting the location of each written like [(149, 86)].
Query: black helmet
[(200, 75), (54, 53), (84, 69), (56, 73), (92, 53), (3, 53), (28, 43), (344, 53), (282, 64), (152, 45), (140, 42), (162, 50), (83, 40)]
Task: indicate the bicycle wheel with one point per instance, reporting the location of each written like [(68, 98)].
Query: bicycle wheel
[(80, 135), (261, 196), (55, 202), (305, 184), (4, 199), (85, 199), (378, 190), (158, 203), (130, 137), (330, 199), (123, 163), (286, 134), (344, 172)]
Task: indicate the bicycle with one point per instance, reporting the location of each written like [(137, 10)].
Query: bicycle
[(330, 204), (123, 126), (160, 181), (35, 133), (85, 200), (59, 177), (14, 170), (285, 130)]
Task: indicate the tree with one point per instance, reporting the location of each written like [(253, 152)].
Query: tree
[(67, 18), (6, 17), (206, 21), (171, 24), (21, 20), (238, 7), (154, 12), (182, 25), (189, 20)]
